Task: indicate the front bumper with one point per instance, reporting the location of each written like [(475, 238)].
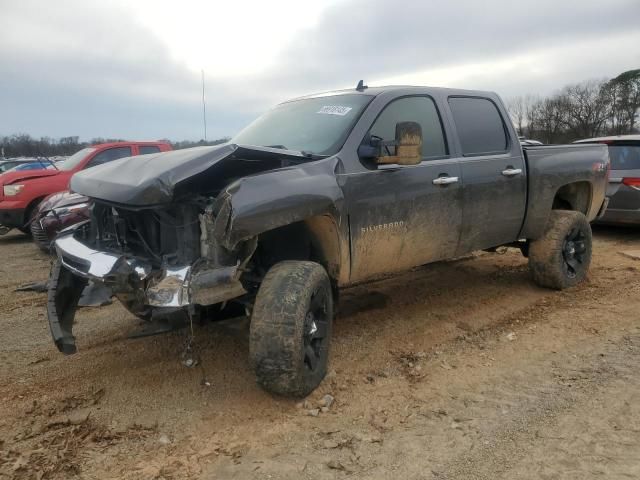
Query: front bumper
[(170, 287), (46, 225), (92, 264), (11, 217)]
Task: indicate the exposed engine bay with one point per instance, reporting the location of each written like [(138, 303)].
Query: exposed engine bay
[(169, 248)]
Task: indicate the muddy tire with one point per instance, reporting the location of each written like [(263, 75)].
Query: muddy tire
[(291, 328), (560, 259)]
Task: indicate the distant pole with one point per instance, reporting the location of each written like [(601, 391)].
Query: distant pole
[(204, 108)]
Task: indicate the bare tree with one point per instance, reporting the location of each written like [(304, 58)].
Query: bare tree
[(531, 107), (587, 108), (516, 109), (550, 117), (624, 94)]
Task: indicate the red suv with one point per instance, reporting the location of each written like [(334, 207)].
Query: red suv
[(22, 191)]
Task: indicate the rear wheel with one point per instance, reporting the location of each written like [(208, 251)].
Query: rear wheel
[(561, 258), (291, 328)]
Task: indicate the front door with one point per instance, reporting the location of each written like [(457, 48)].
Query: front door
[(404, 216)]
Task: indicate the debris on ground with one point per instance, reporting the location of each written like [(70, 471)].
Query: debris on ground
[(326, 401)]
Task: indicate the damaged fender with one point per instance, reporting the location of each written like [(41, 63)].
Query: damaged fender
[(259, 203)]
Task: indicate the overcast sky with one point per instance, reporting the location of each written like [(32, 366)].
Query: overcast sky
[(131, 70)]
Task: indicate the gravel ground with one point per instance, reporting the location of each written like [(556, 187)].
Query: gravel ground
[(459, 370)]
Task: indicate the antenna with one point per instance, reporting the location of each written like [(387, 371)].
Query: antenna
[(361, 86), (204, 109)]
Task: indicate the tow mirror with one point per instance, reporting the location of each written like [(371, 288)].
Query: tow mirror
[(408, 145)]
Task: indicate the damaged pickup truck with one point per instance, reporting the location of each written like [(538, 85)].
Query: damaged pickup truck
[(317, 194)]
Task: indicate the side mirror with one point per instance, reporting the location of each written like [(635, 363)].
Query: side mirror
[(408, 145)]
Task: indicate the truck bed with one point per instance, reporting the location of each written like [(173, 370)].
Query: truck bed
[(549, 168)]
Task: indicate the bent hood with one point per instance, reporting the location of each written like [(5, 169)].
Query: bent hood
[(7, 178), (161, 178)]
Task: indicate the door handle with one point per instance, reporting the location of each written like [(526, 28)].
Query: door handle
[(511, 172), (445, 180)]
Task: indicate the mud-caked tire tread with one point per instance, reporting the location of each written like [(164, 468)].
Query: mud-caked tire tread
[(277, 328), (546, 262)]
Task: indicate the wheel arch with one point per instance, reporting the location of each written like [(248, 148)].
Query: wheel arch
[(576, 196), (316, 238)]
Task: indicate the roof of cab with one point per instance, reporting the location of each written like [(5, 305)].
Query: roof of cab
[(125, 143), (375, 91)]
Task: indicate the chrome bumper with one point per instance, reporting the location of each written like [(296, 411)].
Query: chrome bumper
[(197, 284), (95, 265)]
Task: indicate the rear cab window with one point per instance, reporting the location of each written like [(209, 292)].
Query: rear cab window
[(480, 126), (419, 109), (146, 149)]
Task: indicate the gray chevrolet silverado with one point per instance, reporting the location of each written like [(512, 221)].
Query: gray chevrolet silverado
[(319, 193)]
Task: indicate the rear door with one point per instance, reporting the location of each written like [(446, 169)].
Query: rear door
[(493, 175), (398, 216)]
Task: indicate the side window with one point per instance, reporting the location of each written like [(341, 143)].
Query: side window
[(109, 155), (413, 109), (144, 149), (479, 125)]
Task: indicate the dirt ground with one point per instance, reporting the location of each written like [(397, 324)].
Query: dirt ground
[(460, 370)]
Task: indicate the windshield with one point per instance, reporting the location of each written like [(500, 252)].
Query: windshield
[(7, 166), (73, 161), (30, 166), (624, 157), (314, 125)]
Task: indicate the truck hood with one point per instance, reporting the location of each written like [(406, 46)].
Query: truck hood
[(161, 178), (8, 178)]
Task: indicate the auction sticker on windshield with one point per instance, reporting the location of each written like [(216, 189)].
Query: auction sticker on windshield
[(335, 110)]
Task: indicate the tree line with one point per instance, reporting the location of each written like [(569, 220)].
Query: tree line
[(584, 110), (23, 145)]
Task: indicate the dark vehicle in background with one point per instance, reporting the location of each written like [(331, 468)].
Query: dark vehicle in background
[(624, 181), (320, 193), (55, 213)]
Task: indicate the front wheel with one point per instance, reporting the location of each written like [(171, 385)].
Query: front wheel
[(561, 258), (291, 328)]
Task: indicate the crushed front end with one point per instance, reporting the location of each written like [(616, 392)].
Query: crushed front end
[(155, 260)]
